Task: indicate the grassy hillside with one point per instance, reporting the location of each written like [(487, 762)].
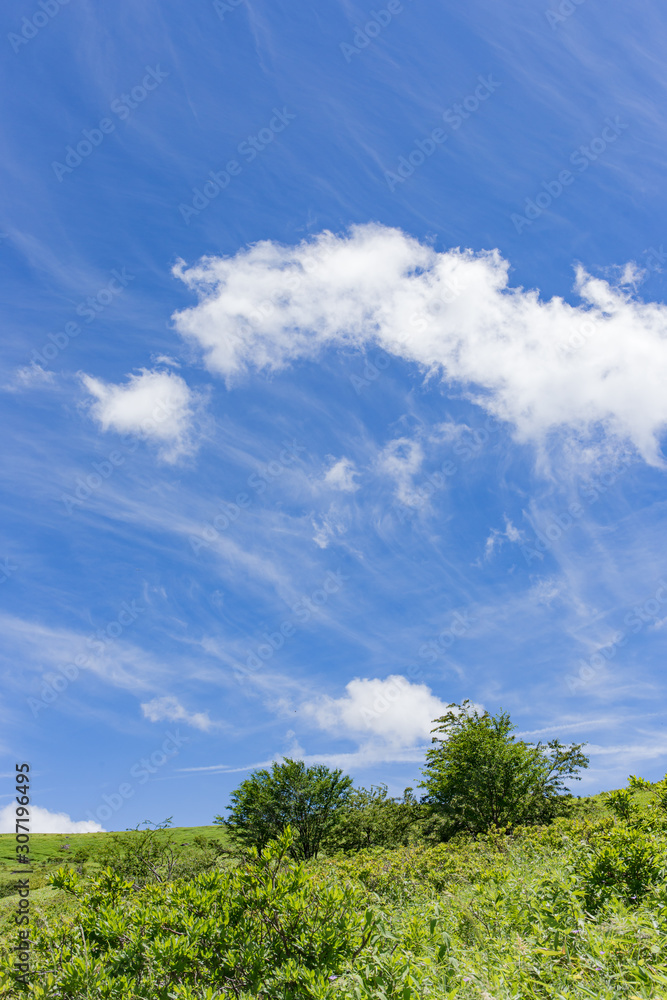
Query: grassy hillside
[(48, 851), (570, 911)]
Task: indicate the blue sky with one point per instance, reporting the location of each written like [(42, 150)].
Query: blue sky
[(370, 423)]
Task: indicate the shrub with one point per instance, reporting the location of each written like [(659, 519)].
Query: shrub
[(626, 862), (152, 854), (266, 928), (372, 819)]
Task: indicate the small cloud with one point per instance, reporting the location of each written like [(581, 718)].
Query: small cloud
[(393, 711), (169, 709), (165, 359), (341, 476), (333, 524), (401, 459), (156, 405), (30, 377), (511, 533), (43, 821), (294, 749)]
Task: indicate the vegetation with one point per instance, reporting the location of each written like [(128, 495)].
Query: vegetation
[(478, 775), (570, 908), (307, 799)]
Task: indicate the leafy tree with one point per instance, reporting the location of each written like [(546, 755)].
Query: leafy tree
[(479, 775), (307, 799), (373, 819)]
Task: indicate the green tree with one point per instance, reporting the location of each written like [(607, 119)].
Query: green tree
[(478, 775), (307, 799), (371, 818)]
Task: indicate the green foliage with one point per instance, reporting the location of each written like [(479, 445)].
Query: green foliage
[(307, 799), (497, 916), (621, 802), (265, 928), (371, 818), (153, 854), (479, 776), (625, 862)]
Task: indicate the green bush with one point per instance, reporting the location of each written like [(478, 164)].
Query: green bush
[(371, 818), (153, 854), (626, 862)]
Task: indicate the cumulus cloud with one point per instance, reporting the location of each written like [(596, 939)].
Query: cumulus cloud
[(43, 821), (341, 476), (169, 709), (543, 366), (156, 405), (393, 712)]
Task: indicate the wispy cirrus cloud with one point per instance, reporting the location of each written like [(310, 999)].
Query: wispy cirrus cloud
[(169, 709)]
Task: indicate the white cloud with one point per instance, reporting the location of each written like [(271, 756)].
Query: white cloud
[(401, 459), (511, 533), (169, 709), (43, 821), (30, 376), (392, 712), (341, 476), (156, 405), (543, 366)]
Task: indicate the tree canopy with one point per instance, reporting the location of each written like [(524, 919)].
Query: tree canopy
[(478, 775), (307, 799)]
